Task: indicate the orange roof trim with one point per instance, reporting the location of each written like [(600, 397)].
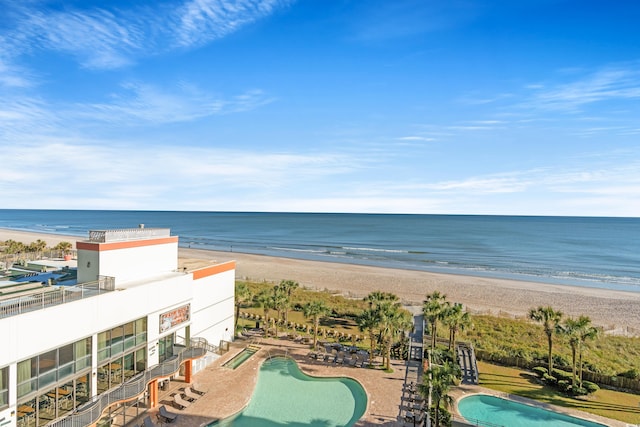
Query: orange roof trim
[(100, 247), (214, 269)]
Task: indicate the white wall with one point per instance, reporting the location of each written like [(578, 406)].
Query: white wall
[(213, 307), (138, 263)]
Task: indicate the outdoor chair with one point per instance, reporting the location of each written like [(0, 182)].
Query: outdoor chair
[(147, 422), (180, 402), (190, 394), (165, 415), (196, 389)]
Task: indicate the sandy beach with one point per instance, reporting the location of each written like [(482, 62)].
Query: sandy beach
[(616, 311)]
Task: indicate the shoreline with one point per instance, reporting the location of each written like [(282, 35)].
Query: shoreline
[(618, 312)]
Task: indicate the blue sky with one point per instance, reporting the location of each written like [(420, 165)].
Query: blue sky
[(453, 107)]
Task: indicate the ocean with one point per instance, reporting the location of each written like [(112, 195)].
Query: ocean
[(576, 251)]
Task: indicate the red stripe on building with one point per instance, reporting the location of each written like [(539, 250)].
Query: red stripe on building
[(100, 247)]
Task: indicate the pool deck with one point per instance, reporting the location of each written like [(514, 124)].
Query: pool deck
[(229, 390)]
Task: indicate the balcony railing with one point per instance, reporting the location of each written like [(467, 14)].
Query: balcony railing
[(90, 412), (60, 295), (123, 234)]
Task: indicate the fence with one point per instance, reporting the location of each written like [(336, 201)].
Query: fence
[(594, 377)]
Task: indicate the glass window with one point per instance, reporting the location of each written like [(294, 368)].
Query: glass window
[(27, 376), (66, 366), (47, 361), (141, 360), (82, 354), (165, 350), (104, 343), (128, 366), (4, 387), (117, 337)]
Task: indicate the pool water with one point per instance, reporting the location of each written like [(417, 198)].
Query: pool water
[(284, 395), (240, 358), (485, 410)]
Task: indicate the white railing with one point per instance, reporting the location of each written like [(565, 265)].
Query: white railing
[(59, 295), (90, 412), (124, 234)]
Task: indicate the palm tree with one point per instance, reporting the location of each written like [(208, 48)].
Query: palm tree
[(571, 329), (368, 321), (315, 310), (38, 246), (550, 320), (393, 320), (64, 247), (242, 296), (280, 302), (288, 286), (265, 300), (438, 380), (586, 332), (433, 308), (456, 320), (378, 297)]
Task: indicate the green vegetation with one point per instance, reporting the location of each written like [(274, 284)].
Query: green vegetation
[(506, 337), (607, 403)]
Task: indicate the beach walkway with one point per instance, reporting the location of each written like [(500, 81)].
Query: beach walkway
[(468, 363), (412, 403)]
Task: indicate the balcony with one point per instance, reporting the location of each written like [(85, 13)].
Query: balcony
[(90, 412), (51, 296)]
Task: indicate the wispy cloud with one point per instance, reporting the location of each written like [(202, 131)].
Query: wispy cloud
[(201, 21), (612, 83), (106, 38), (97, 38), (151, 104), (127, 176)]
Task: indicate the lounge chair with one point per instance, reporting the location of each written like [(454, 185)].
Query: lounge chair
[(180, 402), (190, 394), (196, 389), (165, 415), (147, 422)]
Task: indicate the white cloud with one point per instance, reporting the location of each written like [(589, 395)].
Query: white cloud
[(105, 38), (606, 84), (201, 21)]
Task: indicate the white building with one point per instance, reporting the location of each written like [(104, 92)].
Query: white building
[(69, 353)]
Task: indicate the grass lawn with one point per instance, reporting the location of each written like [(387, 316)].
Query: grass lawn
[(607, 403)]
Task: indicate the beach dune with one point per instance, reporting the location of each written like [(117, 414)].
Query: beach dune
[(616, 311)]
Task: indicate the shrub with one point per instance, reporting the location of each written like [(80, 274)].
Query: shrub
[(564, 385), (578, 391), (631, 374), (540, 371), (562, 375), (549, 379), (590, 387)]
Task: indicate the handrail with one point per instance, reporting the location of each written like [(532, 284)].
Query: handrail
[(90, 412), (60, 295)]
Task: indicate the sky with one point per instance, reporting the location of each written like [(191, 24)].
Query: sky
[(504, 107)]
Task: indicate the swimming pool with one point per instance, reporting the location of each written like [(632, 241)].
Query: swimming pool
[(241, 357), (284, 395), (495, 411)]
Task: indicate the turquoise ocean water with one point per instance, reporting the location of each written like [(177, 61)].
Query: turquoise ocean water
[(578, 251)]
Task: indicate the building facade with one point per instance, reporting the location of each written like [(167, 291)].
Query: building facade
[(133, 319)]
